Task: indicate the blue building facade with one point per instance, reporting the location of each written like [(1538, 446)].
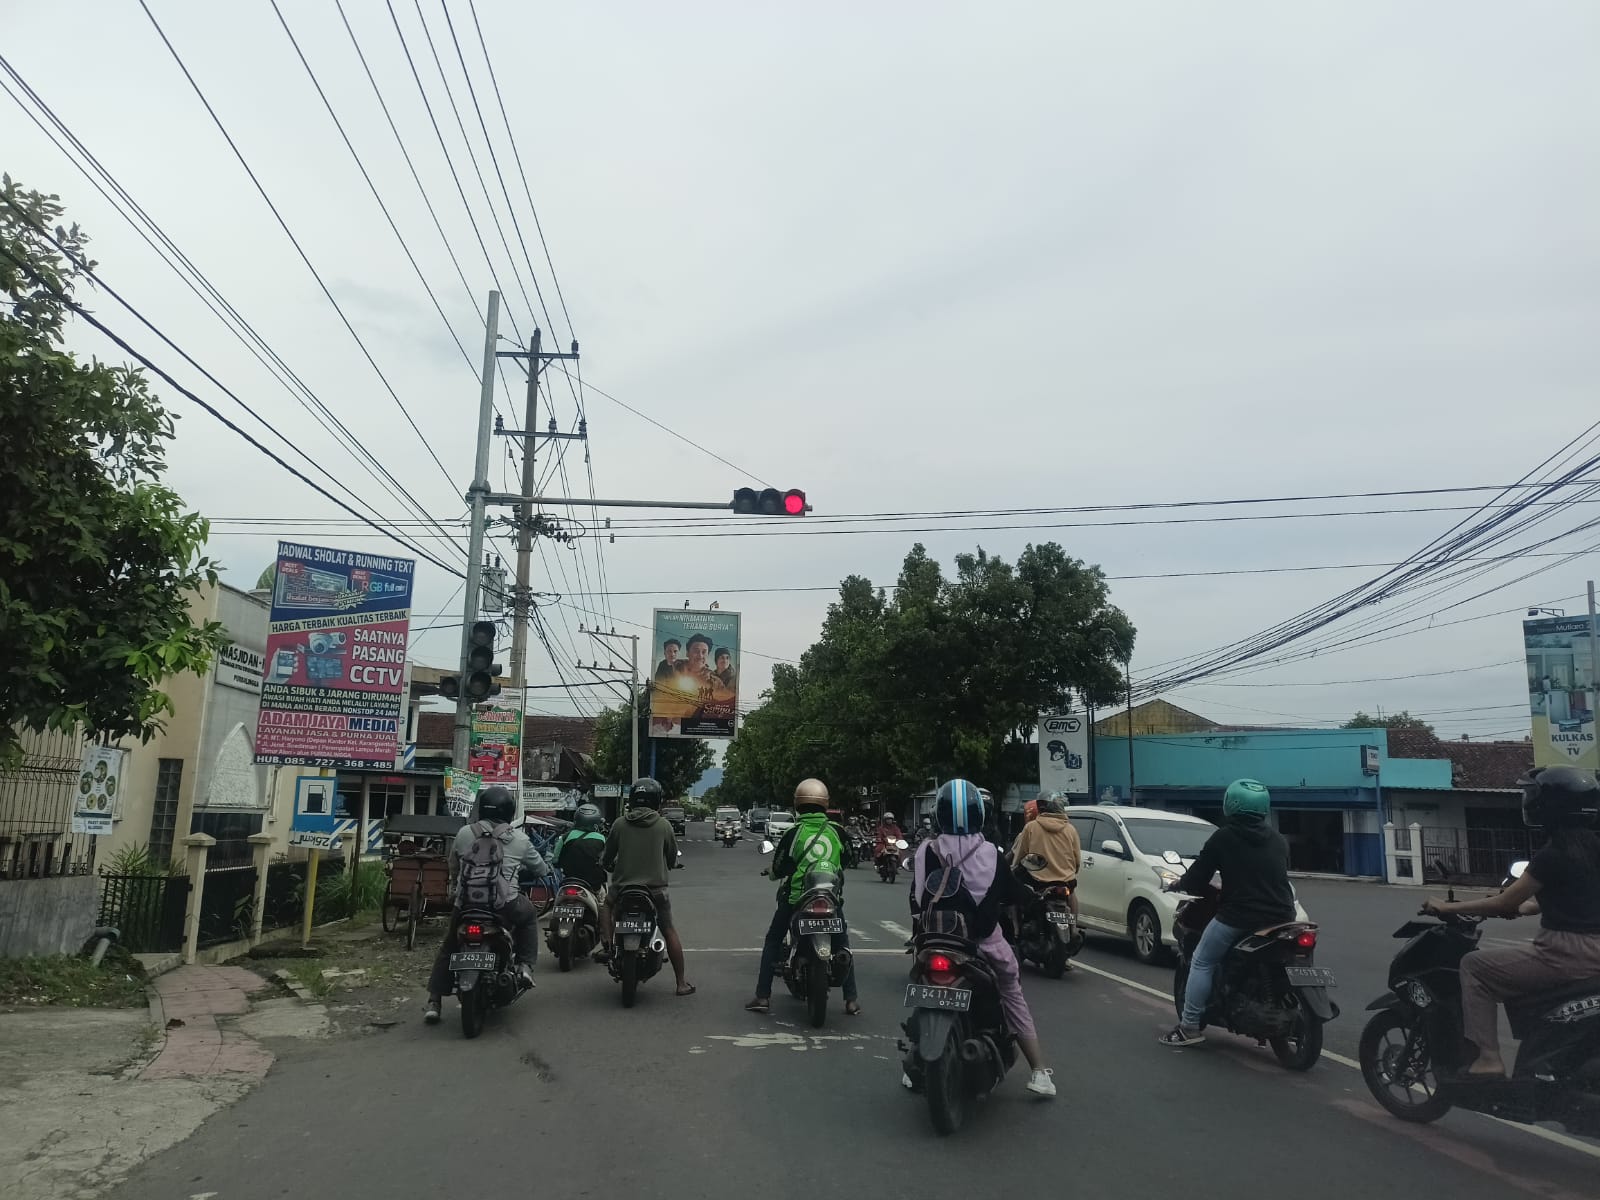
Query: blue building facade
[(1327, 785)]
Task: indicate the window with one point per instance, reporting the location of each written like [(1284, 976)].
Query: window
[(1155, 837), (1087, 824), (164, 814)]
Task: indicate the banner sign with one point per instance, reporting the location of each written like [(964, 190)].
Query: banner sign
[(461, 791), (694, 685), (334, 690), (1561, 691), (99, 777), (496, 750), (1064, 755)]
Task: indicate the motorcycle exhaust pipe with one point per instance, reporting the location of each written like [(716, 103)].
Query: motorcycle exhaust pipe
[(658, 945)]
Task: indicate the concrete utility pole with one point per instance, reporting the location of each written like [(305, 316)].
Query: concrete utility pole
[(633, 689), (477, 499), (1594, 661), (522, 601)]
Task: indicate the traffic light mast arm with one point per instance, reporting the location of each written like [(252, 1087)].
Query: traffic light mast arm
[(585, 502)]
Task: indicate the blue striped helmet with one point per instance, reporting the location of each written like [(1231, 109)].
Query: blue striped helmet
[(959, 808)]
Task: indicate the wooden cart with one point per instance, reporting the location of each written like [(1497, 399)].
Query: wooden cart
[(419, 871)]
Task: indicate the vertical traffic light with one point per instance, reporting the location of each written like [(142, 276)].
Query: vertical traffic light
[(770, 502), (481, 669)]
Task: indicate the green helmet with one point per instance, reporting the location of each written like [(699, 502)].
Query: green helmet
[(1246, 800)]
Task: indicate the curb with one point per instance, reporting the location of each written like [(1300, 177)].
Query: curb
[(302, 993)]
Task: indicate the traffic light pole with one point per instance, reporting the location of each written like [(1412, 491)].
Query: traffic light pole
[(478, 499)]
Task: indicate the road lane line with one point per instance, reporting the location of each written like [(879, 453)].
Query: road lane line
[(855, 952), (900, 931), (1548, 1135)]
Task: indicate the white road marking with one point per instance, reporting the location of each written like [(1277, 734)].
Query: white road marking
[(1548, 1135), (790, 1041), (857, 951), (900, 931)]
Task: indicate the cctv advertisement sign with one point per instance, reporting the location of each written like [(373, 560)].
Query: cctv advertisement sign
[(1064, 754), (333, 691)]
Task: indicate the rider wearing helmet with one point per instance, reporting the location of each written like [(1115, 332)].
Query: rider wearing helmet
[(1254, 861), (888, 831), (1051, 836), (579, 850), (1562, 883), (639, 852), (497, 808), (959, 813), (813, 844)]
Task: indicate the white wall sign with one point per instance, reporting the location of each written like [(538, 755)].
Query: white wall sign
[(96, 800), (1064, 755), (240, 667)]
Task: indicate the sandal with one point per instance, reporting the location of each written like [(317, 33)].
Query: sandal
[(686, 990), (759, 1005), (852, 1008)]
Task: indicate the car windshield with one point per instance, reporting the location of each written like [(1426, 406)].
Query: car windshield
[(727, 814), (780, 815), (1157, 837), (758, 812)]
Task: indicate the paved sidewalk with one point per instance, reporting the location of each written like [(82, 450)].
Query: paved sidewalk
[(186, 1006)]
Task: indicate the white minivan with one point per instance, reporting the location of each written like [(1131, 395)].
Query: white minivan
[(1126, 869)]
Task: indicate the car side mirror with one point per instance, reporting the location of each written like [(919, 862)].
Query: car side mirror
[(1112, 846)]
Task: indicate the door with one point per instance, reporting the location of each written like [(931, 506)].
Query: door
[(1100, 876), (1315, 837)]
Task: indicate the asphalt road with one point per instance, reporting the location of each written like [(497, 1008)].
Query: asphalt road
[(567, 1094)]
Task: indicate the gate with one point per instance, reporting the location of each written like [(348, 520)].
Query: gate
[(1477, 856), (148, 910), (225, 904)]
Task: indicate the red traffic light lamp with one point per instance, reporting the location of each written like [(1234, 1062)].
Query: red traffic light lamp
[(770, 502)]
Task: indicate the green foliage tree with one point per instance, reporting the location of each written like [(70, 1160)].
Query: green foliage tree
[(98, 559), (679, 761), (947, 678), (1399, 720)]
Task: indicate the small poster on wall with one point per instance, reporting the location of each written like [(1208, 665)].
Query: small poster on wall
[(99, 777)]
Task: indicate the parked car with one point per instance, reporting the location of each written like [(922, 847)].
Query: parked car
[(755, 820), (676, 817), (779, 822), (1130, 856)]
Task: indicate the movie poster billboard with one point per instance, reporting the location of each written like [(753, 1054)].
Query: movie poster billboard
[(1561, 691), (496, 748), (1064, 754), (694, 673), (333, 694)]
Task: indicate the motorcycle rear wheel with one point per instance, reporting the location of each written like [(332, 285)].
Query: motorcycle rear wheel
[(1380, 1055), (1301, 1049), (630, 978), (564, 954), (1055, 960), (474, 1006), (816, 994), (944, 1082)]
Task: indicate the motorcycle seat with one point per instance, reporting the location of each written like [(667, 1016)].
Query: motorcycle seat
[(1269, 930), (1581, 989)]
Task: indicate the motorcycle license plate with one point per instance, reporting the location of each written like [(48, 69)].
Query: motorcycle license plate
[(472, 960), (634, 925), (570, 912), (1058, 918), (1309, 976), (922, 995), (805, 925)]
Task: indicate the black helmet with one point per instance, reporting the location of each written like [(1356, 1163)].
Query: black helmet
[(497, 804), (1553, 797), (959, 808), (645, 793), (588, 818)]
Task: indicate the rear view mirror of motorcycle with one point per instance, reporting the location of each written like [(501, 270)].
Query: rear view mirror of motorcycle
[(901, 844), (767, 847), (1172, 858), (1517, 868)]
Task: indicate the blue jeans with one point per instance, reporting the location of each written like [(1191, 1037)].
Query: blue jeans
[(1214, 945), (773, 946)]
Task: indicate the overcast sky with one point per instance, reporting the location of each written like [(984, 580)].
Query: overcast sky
[(909, 257)]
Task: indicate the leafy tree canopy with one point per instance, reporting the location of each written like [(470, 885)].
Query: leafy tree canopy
[(1399, 720)]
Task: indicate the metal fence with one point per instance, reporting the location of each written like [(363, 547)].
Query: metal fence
[(1474, 855), (225, 904), (36, 811), (146, 909)]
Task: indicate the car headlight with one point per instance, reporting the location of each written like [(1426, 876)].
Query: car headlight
[(1416, 991), (1166, 876)]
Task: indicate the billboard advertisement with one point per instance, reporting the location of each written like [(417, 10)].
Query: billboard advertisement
[(1561, 691), (496, 748), (333, 692), (694, 674), (1064, 754)]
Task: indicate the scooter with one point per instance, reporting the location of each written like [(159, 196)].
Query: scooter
[(1412, 1050), (485, 977), (812, 958), (1050, 935), (637, 947), (890, 862), (574, 928), (728, 833)]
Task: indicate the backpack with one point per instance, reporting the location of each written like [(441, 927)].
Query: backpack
[(483, 882), (947, 904)]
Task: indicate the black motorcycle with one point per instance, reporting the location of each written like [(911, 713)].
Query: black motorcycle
[(484, 967), (637, 947), (574, 928), (1049, 935), (1266, 987), (813, 961), (727, 832), (1413, 1047), (957, 1046)]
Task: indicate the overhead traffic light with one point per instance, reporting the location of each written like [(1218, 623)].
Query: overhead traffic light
[(477, 678), (770, 502)]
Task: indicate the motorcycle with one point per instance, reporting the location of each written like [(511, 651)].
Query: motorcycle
[(1413, 1044), (1049, 935), (728, 833), (889, 859), (485, 975), (957, 1047), (637, 947), (574, 928), (1266, 986), (811, 961)]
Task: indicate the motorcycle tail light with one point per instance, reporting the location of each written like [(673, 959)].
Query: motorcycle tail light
[(473, 932), (940, 964), (1306, 939), (820, 905), (571, 891)]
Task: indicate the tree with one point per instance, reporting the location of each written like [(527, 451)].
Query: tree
[(679, 761), (98, 559), (1399, 720), (946, 678)]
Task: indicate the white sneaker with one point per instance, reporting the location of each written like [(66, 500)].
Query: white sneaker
[(1040, 1083), (905, 1081)]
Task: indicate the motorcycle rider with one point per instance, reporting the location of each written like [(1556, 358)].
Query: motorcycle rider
[(818, 848), (959, 843), (1051, 836), (639, 852), (1562, 884), (887, 833), (496, 809), (1254, 861), (578, 856)]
